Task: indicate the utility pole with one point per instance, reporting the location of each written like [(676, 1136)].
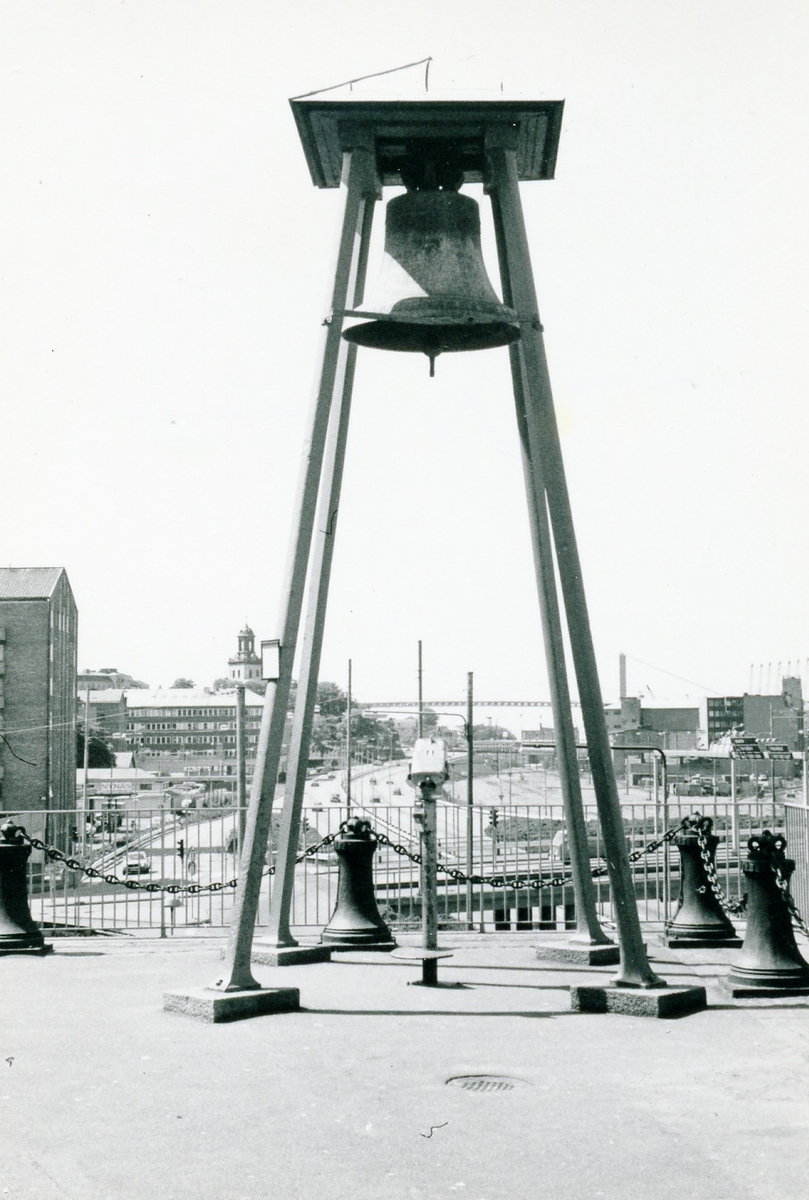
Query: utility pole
[(241, 764), (348, 743), (470, 800), (85, 766), (421, 699)]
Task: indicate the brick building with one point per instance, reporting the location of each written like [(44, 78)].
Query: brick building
[(38, 639), (778, 718)]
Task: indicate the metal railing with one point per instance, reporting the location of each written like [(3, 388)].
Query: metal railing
[(160, 849), (796, 827)]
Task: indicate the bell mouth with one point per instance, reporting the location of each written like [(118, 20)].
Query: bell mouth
[(432, 327)]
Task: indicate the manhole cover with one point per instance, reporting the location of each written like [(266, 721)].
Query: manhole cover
[(484, 1083)]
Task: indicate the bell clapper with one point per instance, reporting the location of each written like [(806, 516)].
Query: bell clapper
[(432, 365)]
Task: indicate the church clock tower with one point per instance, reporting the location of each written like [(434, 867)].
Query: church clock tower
[(246, 665)]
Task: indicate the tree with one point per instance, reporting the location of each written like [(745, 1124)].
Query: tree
[(331, 700), (490, 733), (182, 682), (99, 751)]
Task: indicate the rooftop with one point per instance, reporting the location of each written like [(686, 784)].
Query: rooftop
[(28, 583), (188, 698)]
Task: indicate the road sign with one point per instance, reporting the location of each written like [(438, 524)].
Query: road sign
[(745, 747), (777, 750)]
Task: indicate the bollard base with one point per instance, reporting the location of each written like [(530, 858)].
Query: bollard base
[(344, 947), (601, 955), (40, 950), (747, 991), (697, 943), (639, 1002), (289, 956), (207, 1004)]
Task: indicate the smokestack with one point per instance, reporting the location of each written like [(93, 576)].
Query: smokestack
[(622, 676)]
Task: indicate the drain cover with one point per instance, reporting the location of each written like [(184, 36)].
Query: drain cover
[(484, 1083)]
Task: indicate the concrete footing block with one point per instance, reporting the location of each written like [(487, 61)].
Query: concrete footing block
[(289, 956), (207, 1004), (580, 953), (639, 1002)]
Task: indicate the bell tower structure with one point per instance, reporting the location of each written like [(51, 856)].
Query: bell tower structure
[(246, 664), (432, 148)]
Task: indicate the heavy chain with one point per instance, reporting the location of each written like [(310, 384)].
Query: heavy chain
[(783, 885), (134, 885), (731, 907), (517, 882)]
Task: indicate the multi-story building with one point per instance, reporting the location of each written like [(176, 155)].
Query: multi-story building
[(38, 638), (719, 715), (667, 727), (190, 725), (776, 718), (105, 711)]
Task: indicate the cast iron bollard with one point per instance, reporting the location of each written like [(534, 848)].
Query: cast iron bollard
[(18, 932), (356, 920), (699, 919), (770, 960)]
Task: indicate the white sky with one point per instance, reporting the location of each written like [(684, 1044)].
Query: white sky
[(165, 264)]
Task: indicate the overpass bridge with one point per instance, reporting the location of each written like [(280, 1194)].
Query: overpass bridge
[(413, 704)]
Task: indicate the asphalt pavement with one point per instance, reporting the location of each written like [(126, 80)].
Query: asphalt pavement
[(491, 1088)]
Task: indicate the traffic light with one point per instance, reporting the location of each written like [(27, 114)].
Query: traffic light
[(181, 848), (494, 817)]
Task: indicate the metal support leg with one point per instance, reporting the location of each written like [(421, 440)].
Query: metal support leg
[(236, 975), (278, 933), (588, 928), (635, 970)]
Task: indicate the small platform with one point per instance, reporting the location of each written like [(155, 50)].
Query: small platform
[(639, 1002), (429, 963), (602, 955), (208, 1004)]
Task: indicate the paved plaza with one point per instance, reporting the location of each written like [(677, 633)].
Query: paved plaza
[(106, 1097)]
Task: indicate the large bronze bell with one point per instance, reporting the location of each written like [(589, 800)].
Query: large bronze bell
[(433, 294)]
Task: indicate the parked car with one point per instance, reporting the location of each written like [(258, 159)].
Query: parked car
[(137, 864)]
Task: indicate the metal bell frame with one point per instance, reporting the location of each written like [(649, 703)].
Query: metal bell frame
[(507, 144)]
